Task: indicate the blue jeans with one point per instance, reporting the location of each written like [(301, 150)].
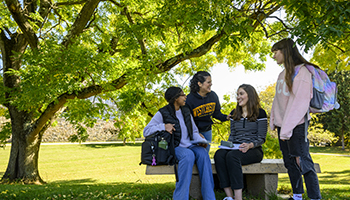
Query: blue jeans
[(208, 137), (187, 157), (297, 147)]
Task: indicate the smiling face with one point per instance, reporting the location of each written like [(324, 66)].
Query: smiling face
[(242, 97), (205, 87), (278, 56)]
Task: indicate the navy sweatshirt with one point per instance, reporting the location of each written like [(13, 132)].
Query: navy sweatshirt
[(202, 108)]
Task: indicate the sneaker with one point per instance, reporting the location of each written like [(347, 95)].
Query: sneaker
[(228, 198)]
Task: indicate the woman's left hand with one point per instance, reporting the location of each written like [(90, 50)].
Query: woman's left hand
[(203, 145), (244, 147)]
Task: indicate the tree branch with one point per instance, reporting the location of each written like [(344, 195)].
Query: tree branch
[(140, 40), (68, 3), (81, 21), (199, 51), (18, 15)]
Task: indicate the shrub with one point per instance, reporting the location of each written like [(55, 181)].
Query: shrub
[(319, 136), (271, 147)]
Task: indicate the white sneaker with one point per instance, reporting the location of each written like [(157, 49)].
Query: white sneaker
[(228, 198)]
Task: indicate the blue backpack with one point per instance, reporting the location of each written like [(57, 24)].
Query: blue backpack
[(324, 91)]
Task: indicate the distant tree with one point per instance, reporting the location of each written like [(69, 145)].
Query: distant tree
[(266, 97), (221, 130)]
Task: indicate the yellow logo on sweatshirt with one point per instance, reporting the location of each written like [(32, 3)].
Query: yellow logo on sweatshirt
[(203, 110)]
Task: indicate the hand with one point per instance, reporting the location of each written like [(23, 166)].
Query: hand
[(244, 147), (203, 145), (228, 116), (170, 128), (200, 134)]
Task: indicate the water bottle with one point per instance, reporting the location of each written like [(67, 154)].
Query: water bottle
[(163, 144)]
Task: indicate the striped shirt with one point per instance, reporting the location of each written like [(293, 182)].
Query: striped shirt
[(245, 131)]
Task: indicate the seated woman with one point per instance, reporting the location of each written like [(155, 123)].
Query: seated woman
[(178, 121), (248, 128)]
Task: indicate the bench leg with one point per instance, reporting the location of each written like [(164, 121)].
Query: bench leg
[(261, 184), (195, 187)]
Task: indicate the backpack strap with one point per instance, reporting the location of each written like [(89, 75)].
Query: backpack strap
[(306, 125), (172, 152)]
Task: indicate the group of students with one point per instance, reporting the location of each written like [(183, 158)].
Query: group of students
[(189, 119)]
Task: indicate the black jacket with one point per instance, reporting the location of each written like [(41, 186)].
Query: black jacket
[(169, 116)]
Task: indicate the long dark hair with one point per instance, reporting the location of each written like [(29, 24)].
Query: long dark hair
[(292, 58), (200, 76), (253, 104)]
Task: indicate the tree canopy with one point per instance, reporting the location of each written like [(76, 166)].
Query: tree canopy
[(66, 58)]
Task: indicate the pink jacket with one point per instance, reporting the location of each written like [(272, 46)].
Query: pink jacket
[(288, 110)]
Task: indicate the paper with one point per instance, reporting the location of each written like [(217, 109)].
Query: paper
[(235, 147)]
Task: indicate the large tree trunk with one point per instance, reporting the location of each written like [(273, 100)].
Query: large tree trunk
[(23, 163), (24, 155)]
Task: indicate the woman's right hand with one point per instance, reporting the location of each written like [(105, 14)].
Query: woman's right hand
[(169, 127)]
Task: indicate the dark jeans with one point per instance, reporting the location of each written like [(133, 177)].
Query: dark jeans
[(229, 163), (297, 147)]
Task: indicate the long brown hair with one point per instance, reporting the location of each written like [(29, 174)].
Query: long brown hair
[(253, 104), (292, 58)]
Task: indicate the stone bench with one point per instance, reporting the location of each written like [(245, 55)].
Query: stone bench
[(261, 178)]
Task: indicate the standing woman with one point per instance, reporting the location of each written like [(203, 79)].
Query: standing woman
[(204, 103), (290, 105), (176, 119), (248, 128)]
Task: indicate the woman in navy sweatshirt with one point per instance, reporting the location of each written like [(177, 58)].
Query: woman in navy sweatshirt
[(204, 103)]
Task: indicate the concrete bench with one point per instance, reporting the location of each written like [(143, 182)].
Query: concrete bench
[(261, 178)]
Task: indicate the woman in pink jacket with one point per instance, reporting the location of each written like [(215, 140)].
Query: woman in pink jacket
[(290, 105)]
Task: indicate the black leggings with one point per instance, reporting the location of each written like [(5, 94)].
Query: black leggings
[(229, 163)]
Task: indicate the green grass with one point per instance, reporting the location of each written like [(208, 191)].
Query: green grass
[(112, 171)]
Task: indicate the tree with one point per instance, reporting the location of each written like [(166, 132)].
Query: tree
[(65, 58), (266, 97)]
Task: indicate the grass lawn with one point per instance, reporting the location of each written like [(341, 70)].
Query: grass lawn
[(112, 171)]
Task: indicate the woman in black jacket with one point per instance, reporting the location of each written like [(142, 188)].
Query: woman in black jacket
[(176, 119), (248, 128)]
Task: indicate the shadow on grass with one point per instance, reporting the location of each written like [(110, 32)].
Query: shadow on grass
[(107, 145), (75, 182), (88, 189), (329, 178), (337, 178), (84, 189)]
